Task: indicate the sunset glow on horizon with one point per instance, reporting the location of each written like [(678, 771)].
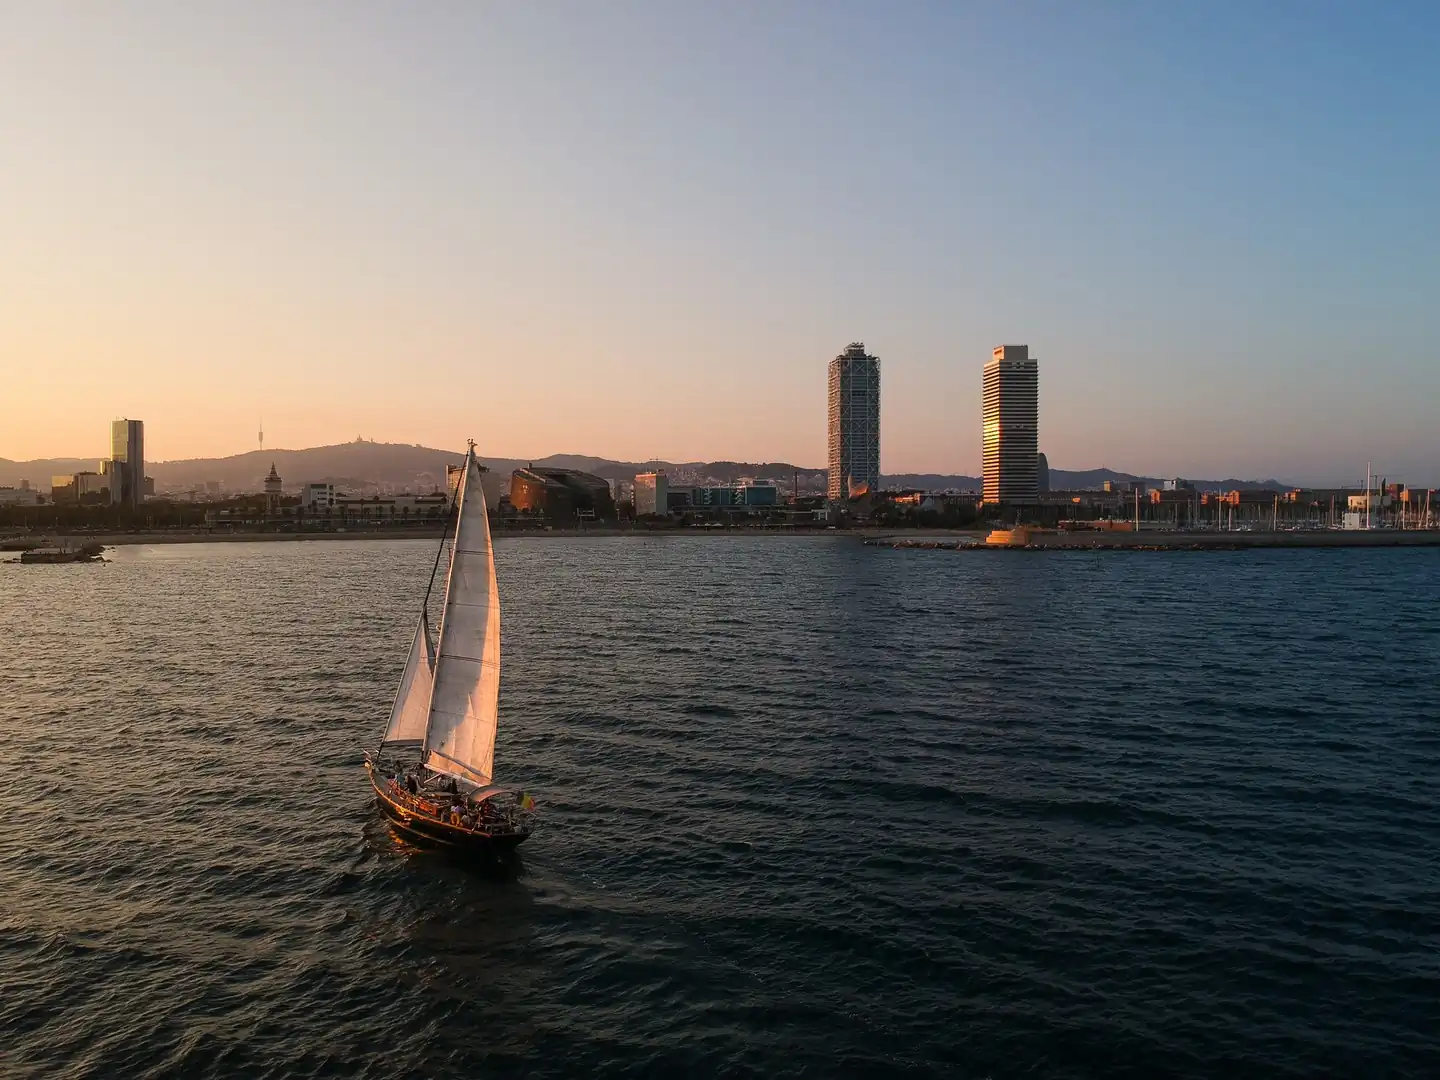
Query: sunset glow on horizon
[(643, 230)]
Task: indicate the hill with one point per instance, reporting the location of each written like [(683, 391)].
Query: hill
[(362, 466), (40, 470)]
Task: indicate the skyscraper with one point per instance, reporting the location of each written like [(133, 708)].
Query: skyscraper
[(854, 422), (127, 462), (1012, 419)]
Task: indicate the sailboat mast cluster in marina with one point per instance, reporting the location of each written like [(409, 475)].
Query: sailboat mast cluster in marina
[(433, 772)]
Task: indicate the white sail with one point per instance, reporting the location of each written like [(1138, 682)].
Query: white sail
[(464, 700), (411, 711)]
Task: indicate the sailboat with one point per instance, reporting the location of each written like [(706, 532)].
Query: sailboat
[(434, 770)]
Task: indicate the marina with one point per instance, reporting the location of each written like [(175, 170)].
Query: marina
[(1025, 539)]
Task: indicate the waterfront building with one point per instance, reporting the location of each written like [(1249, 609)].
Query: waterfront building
[(21, 496), (1374, 501), (396, 507), (272, 491), (1011, 384), (92, 487), (854, 436), (126, 468), (561, 494), (81, 487), (317, 496), (756, 495), (652, 494), (747, 496)]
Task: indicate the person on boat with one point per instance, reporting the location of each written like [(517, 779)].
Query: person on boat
[(412, 785)]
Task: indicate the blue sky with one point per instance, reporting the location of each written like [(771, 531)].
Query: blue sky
[(642, 229)]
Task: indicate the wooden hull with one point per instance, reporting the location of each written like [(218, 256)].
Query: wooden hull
[(427, 829)]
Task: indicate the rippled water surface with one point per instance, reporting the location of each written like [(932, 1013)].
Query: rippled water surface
[(809, 809)]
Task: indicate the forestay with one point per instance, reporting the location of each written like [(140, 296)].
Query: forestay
[(411, 711), (465, 696)]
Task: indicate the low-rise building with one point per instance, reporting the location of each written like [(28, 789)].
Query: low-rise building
[(1376, 501), (561, 494), (742, 496), (19, 496), (316, 496), (652, 491), (396, 507), (81, 487)]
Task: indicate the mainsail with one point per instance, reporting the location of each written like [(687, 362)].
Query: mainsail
[(465, 691), (411, 711)]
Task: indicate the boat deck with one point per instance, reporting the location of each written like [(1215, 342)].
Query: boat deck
[(427, 815)]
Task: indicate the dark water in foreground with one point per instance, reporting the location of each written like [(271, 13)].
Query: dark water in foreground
[(810, 809)]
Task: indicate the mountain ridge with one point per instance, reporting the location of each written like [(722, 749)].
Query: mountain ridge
[(364, 464)]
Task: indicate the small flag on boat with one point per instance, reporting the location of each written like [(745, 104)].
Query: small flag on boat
[(526, 802)]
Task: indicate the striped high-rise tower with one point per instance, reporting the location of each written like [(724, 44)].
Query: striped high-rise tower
[(1012, 420), (854, 423)]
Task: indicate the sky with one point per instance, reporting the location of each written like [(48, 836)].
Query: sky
[(641, 230)]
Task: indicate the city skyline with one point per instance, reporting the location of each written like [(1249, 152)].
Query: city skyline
[(1201, 242), (99, 462)]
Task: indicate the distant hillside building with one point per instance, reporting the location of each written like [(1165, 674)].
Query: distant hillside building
[(854, 437), (561, 494)]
